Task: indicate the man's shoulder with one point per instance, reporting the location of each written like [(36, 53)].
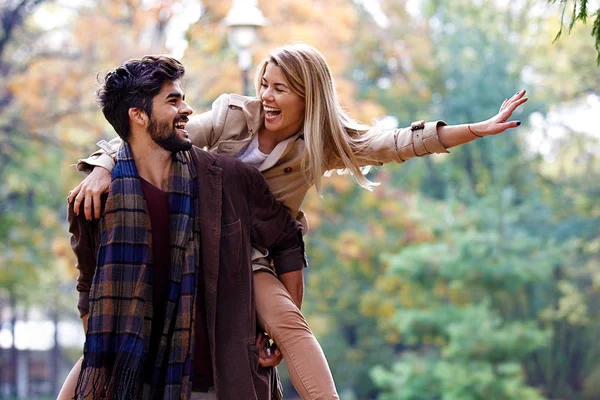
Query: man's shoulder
[(229, 165)]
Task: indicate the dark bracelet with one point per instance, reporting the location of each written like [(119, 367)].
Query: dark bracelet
[(469, 127)]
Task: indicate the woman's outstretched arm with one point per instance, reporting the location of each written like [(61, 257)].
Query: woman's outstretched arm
[(433, 137), (455, 135)]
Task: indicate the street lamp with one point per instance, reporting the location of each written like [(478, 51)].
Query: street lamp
[(243, 21)]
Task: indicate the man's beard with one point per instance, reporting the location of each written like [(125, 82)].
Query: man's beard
[(165, 135)]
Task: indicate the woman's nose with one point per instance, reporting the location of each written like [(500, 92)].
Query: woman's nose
[(267, 94)]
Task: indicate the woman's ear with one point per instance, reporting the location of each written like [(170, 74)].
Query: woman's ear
[(137, 116)]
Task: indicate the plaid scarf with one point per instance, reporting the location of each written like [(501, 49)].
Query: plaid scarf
[(120, 318)]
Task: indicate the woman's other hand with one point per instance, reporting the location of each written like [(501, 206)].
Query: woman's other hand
[(89, 192), (268, 356)]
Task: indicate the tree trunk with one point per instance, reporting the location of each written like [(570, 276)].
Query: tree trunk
[(55, 357), (14, 362), (470, 168)]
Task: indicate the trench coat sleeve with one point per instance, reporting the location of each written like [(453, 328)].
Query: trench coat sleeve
[(104, 157), (398, 145), (83, 243), (273, 228)]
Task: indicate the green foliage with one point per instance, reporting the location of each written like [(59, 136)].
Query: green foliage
[(471, 322), (418, 377), (32, 255), (580, 12)]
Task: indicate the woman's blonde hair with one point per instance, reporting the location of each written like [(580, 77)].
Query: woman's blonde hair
[(331, 137)]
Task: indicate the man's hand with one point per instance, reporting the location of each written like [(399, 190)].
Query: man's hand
[(267, 356), (89, 191)]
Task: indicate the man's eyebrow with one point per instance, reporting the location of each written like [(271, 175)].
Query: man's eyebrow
[(176, 95)]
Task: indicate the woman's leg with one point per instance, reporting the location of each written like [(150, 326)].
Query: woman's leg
[(285, 324), (67, 392)]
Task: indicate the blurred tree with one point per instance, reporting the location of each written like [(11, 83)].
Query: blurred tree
[(12, 14), (470, 310), (454, 60)]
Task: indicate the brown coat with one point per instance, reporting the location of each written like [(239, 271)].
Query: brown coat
[(236, 211), (233, 122)]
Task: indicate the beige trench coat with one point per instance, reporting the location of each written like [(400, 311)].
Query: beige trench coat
[(234, 120)]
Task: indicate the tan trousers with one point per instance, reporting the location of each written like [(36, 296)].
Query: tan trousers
[(285, 324)]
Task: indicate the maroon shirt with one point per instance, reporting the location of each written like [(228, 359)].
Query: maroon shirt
[(158, 208)]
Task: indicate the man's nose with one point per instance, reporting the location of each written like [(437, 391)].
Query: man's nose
[(186, 109)]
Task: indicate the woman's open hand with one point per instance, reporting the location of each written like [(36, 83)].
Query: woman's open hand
[(499, 122)]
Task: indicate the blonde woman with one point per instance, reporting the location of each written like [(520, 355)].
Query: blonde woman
[(294, 132)]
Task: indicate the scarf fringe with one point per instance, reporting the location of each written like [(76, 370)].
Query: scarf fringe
[(124, 384)]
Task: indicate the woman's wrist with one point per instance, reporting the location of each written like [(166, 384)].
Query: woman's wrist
[(477, 129), (471, 130)]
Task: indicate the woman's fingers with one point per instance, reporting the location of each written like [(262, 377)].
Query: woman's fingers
[(89, 192), (510, 108), (507, 109), (97, 205), (89, 198), (74, 192), (518, 102), (517, 97), (77, 201), (87, 207), (509, 125)]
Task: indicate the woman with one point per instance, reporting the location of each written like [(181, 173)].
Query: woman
[(293, 133)]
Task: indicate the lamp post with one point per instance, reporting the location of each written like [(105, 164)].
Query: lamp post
[(244, 19)]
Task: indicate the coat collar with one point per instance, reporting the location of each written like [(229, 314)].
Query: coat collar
[(279, 152)]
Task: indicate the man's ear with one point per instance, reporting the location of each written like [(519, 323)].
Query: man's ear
[(138, 116)]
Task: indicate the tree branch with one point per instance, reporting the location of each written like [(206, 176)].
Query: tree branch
[(13, 18), (582, 16)]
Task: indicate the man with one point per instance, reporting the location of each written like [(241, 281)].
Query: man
[(165, 273)]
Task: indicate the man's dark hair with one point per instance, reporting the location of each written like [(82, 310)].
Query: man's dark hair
[(133, 85)]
